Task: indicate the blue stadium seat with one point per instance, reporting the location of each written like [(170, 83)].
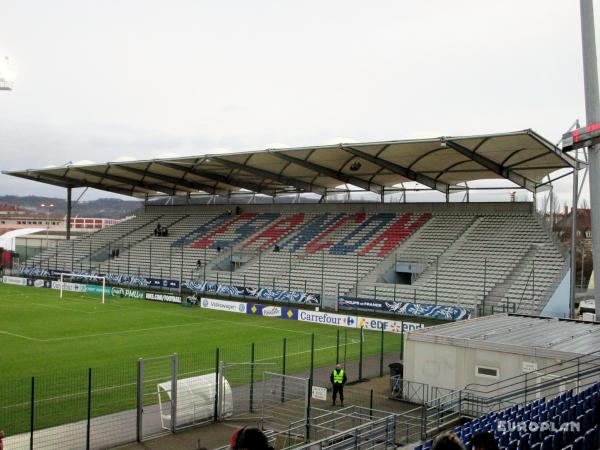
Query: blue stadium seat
[(567, 407), (524, 442), (547, 443), (591, 439)]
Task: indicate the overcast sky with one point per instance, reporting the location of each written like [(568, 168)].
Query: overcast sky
[(98, 80)]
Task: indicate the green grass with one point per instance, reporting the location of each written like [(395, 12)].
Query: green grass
[(56, 341)]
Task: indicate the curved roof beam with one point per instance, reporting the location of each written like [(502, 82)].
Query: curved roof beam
[(73, 183), (195, 185), (450, 167), (298, 184), (218, 178), (126, 181), (367, 186), (400, 170), (493, 166), (425, 155)]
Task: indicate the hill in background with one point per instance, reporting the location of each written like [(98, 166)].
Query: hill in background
[(112, 208)]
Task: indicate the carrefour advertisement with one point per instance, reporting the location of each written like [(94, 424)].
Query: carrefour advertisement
[(339, 320), (73, 287)]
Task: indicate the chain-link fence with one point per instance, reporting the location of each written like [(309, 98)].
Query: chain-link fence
[(328, 276), (108, 406)]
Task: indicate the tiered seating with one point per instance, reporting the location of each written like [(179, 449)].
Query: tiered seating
[(75, 254), (330, 253), (161, 256), (561, 411), (479, 262), (335, 250)]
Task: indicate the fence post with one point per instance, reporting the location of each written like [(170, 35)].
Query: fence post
[(371, 405), (360, 355), (32, 417), (290, 272), (381, 354), (283, 354), (251, 400), (356, 274), (170, 259), (533, 281), (307, 410), (484, 285), (337, 346), (216, 409), (312, 356), (323, 275), (526, 387), (437, 268), (89, 410), (174, 375), (345, 346), (402, 341), (140, 398)]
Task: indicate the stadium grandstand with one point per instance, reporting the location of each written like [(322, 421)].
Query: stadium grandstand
[(281, 232), (469, 255)]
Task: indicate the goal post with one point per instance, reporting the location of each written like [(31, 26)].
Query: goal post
[(73, 281)]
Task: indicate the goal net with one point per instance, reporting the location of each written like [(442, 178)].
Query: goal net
[(84, 285)]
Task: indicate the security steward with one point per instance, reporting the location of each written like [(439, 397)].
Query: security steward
[(338, 379)]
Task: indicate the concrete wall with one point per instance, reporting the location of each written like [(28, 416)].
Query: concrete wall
[(453, 367)]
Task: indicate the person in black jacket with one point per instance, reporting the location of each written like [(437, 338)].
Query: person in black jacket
[(338, 379)]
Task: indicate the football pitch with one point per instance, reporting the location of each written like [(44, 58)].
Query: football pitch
[(56, 341)]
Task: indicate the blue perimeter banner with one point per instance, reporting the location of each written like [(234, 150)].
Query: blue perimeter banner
[(404, 308), (281, 312)]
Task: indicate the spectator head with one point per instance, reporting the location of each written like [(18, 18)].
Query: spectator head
[(484, 441), (338, 366), (249, 439), (447, 441)]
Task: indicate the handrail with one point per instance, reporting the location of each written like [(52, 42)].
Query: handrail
[(576, 359)]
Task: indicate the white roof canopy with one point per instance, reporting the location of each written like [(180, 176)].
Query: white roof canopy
[(523, 157)]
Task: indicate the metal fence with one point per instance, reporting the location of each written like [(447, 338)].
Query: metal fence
[(97, 257), (100, 406)]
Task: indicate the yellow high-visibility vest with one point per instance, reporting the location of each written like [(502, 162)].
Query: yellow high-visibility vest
[(338, 377)]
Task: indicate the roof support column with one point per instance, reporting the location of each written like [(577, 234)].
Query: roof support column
[(574, 243), (68, 221), (592, 115)]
